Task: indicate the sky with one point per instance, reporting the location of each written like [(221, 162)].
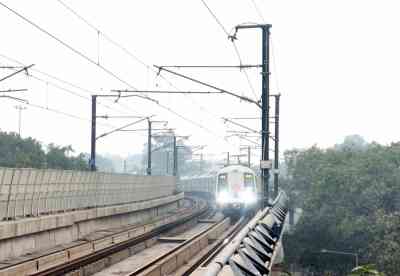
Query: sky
[(335, 63)]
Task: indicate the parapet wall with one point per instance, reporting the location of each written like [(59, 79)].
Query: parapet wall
[(33, 192), (29, 235)]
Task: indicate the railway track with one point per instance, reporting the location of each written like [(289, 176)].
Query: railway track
[(70, 259), (171, 261), (186, 256), (183, 254)]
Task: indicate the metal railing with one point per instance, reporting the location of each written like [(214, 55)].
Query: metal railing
[(256, 246), (32, 192)]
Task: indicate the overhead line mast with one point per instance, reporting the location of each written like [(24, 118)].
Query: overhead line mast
[(265, 74)]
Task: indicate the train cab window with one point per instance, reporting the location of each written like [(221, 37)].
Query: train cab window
[(222, 182), (249, 180)]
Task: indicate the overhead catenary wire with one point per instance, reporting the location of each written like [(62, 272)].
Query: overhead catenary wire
[(62, 42), (103, 34), (49, 109), (106, 70), (85, 90), (234, 46), (136, 58), (258, 10)]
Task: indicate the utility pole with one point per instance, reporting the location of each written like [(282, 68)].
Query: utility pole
[(175, 168), (276, 136), (249, 156), (201, 163), (167, 164), (93, 139), (175, 154), (19, 108), (149, 148), (248, 149), (92, 161), (227, 158), (265, 74)]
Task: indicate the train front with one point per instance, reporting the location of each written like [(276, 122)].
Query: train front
[(236, 189)]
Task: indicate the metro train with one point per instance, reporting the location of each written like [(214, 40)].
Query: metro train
[(236, 190)]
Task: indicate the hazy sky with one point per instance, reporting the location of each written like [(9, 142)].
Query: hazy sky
[(335, 64)]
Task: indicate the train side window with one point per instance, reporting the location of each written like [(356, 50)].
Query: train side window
[(249, 180), (222, 182)]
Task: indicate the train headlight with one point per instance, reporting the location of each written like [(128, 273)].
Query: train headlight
[(249, 197), (223, 197)]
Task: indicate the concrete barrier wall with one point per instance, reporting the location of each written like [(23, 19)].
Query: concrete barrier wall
[(201, 184), (30, 235), (32, 192)]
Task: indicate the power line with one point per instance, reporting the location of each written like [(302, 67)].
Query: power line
[(85, 90), (234, 46), (100, 66), (79, 53), (258, 11), (66, 114), (107, 37), (129, 53), (215, 18)]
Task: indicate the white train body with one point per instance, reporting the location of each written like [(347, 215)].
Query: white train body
[(236, 188)]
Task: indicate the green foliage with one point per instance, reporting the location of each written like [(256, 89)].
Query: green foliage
[(366, 270), (350, 196), (18, 152), (162, 158)]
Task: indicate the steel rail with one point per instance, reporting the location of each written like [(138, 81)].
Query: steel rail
[(267, 239), (184, 244), (223, 241), (215, 247), (95, 256)]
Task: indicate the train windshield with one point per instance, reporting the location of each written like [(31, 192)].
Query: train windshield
[(249, 180), (222, 182)]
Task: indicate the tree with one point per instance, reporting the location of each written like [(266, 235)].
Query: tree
[(19, 152), (350, 200), (163, 154)]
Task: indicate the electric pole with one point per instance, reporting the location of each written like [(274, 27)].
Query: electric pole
[(276, 151), (167, 164), (265, 109), (249, 156), (149, 148), (265, 163), (92, 161), (201, 163), (175, 154), (93, 139), (175, 165), (19, 108)]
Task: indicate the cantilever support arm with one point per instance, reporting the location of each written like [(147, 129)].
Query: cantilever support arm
[(121, 128), (16, 72), (243, 98)]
